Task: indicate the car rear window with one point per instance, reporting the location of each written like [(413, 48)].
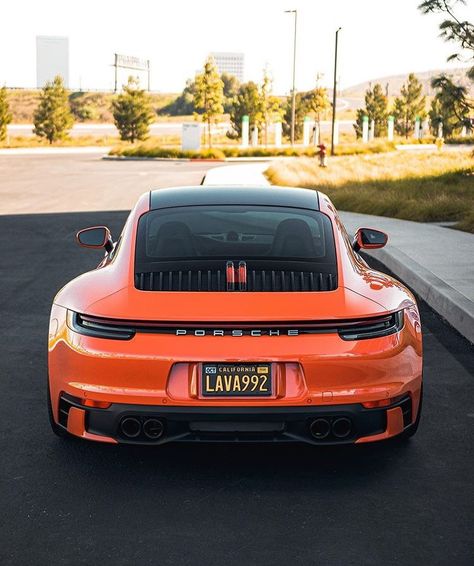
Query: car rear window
[(234, 232)]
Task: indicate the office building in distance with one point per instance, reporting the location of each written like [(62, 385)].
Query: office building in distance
[(230, 63), (52, 59)]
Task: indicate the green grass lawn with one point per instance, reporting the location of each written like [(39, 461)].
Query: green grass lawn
[(428, 187)]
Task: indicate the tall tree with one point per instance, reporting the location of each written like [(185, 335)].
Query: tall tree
[(53, 118), (182, 105), (450, 106), (246, 103), (231, 88), (209, 95), (408, 106), (301, 109), (376, 104), (454, 29), (318, 104), (5, 114), (270, 107), (132, 112)]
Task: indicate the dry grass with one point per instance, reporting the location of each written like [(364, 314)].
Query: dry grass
[(428, 187)]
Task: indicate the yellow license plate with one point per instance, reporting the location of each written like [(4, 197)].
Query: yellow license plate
[(236, 380)]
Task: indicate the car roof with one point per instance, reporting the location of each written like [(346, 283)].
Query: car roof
[(234, 194)]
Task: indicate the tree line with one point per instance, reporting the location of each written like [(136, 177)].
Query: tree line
[(210, 95), (450, 107)]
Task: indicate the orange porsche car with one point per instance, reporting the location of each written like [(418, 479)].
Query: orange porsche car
[(227, 314)]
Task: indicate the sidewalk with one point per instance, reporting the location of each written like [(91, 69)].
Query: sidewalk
[(436, 262), (248, 174)]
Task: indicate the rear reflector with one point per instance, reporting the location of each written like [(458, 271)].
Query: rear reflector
[(95, 404), (382, 402)]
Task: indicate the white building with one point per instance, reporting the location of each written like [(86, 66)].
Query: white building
[(52, 58), (230, 63)]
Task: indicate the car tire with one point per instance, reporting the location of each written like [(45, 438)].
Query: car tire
[(58, 430), (411, 431)]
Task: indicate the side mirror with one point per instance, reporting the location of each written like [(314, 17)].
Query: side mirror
[(369, 239), (96, 237)]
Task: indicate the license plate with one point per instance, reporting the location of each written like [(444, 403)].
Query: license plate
[(236, 380)]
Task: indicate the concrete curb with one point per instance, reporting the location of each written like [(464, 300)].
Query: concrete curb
[(454, 307), (179, 159), (189, 159)]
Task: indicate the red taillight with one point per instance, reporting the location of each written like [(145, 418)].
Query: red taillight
[(230, 275), (242, 276)]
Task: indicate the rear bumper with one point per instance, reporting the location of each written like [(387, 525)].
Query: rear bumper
[(346, 424)]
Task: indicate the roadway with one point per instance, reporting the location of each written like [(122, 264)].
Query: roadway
[(88, 129), (73, 503), (79, 182), (156, 129)]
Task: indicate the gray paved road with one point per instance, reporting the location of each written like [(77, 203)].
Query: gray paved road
[(61, 183), (158, 128)]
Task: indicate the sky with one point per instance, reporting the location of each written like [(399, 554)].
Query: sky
[(378, 38)]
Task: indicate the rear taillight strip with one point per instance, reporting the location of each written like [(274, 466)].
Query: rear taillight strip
[(373, 327)]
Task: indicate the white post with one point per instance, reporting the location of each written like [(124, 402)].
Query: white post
[(440, 130), (245, 131), (372, 130), (365, 129), (316, 134), (390, 127), (277, 134), (254, 136), (417, 129), (306, 130), (336, 132), (463, 132)]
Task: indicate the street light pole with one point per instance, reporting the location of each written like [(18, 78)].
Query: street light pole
[(333, 124), (293, 91)]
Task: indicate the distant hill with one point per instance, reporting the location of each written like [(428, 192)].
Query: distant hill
[(86, 106), (395, 82)]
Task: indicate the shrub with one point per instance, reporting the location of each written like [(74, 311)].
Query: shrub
[(468, 140), (151, 151)]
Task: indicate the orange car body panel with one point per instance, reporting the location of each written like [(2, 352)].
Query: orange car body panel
[(162, 370)]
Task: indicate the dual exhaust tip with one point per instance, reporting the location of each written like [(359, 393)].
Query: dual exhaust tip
[(321, 428), (151, 428)]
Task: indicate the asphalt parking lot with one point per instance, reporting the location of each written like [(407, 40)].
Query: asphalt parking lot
[(81, 182), (72, 502)]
